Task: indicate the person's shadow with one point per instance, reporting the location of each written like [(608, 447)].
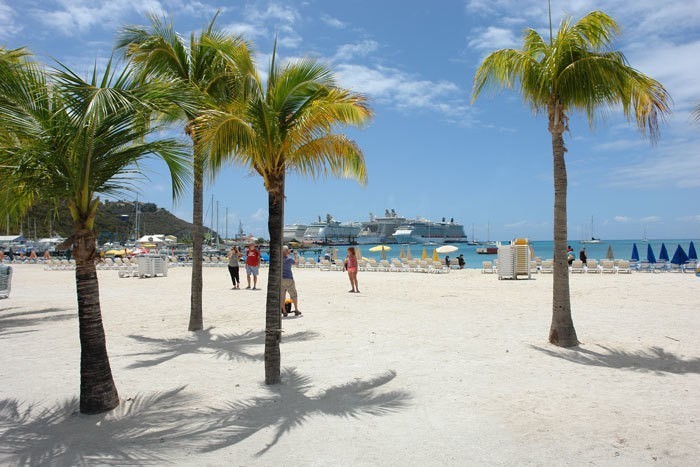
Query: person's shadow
[(227, 346), (152, 428), (655, 359)]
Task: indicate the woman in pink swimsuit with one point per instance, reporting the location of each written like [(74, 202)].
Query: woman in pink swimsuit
[(351, 267)]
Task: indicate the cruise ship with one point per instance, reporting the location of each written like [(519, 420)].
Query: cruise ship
[(425, 231), (332, 232), (380, 229), (294, 232)]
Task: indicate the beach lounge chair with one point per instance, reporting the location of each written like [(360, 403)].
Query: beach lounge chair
[(577, 267), (5, 280), (690, 266), (661, 266), (487, 267), (547, 266), (623, 267), (324, 265), (592, 267), (607, 266), (533, 267)]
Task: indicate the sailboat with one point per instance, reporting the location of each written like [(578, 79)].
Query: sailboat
[(645, 239), (593, 239)]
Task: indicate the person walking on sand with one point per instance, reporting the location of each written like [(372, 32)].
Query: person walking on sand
[(460, 261), (350, 265), (582, 255), (252, 265), (233, 267), (288, 284)]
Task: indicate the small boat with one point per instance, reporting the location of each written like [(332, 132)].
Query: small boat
[(489, 250)]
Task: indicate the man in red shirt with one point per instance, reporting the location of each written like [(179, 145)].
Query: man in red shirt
[(252, 265)]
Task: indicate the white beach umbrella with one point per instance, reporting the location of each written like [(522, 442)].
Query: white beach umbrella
[(446, 249)]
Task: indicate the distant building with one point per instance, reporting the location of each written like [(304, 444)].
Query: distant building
[(7, 241)]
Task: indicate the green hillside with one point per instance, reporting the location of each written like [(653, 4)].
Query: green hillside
[(115, 222)]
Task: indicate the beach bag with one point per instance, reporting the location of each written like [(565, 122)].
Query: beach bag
[(288, 306)]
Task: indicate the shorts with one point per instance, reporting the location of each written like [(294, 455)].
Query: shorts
[(251, 270), (288, 286), (352, 269)]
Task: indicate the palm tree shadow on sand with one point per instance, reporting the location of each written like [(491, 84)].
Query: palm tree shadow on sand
[(140, 430), (17, 322), (290, 405), (152, 429), (228, 346), (655, 359)]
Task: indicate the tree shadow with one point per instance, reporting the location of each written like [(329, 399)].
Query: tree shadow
[(290, 405), (655, 359), (228, 346), (12, 323), (141, 430)]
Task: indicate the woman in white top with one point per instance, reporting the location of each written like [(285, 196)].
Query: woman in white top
[(233, 257)]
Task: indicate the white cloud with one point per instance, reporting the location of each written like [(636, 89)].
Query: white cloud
[(245, 29), (259, 215), (394, 87), (274, 12), (695, 218), (492, 38), (622, 219), (358, 49), (8, 24), (650, 219), (333, 22), (675, 165)]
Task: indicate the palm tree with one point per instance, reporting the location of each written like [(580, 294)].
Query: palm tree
[(212, 70), (288, 125), (576, 70), (66, 140)]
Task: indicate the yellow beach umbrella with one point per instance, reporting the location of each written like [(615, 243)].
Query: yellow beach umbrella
[(425, 253), (380, 248), (358, 253), (435, 255), (402, 255), (408, 253), (335, 255)]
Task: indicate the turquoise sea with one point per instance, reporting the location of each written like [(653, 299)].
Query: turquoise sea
[(544, 249)]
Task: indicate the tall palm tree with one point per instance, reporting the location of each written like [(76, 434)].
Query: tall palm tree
[(576, 70), (288, 125), (66, 140), (211, 70)]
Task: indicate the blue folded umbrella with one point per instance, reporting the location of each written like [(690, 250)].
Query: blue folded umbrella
[(692, 254), (663, 254), (635, 253), (679, 257), (650, 255)]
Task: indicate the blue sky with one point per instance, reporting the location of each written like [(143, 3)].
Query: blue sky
[(429, 152)]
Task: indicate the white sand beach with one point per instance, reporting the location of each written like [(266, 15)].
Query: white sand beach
[(418, 369)]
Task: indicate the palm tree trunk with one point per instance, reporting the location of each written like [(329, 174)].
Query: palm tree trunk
[(97, 390), (273, 316), (561, 331), (196, 319)]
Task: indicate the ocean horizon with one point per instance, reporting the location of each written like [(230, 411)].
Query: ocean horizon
[(544, 249)]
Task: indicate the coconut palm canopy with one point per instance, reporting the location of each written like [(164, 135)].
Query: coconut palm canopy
[(287, 124), (67, 140), (576, 70)]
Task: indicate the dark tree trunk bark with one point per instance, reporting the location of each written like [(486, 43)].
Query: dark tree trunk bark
[(196, 319), (97, 390), (273, 316), (561, 331)]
